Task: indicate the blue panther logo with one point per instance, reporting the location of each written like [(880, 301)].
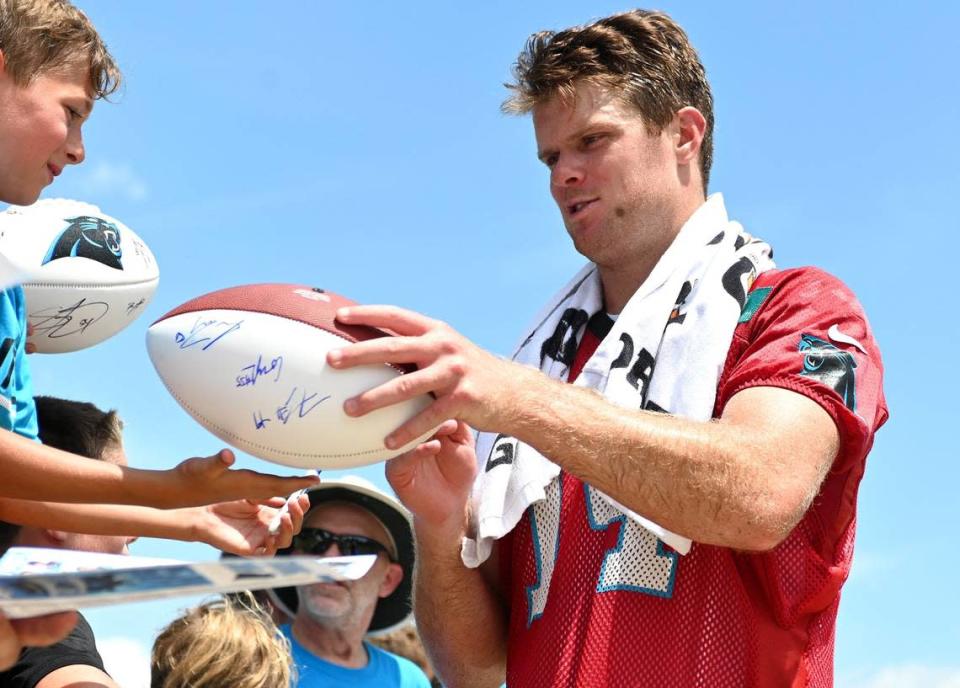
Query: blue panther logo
[(831, 366), (88, 237)]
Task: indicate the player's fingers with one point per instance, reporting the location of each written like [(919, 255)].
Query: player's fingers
[(424, 422), (394, 391), (382, 350), (400, 320), (401, 470), (448, 427)]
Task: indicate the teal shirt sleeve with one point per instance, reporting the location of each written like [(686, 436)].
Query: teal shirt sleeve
[(18, 412)]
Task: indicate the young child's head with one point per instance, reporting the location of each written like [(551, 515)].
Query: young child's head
[(222, 643), (53, 66)]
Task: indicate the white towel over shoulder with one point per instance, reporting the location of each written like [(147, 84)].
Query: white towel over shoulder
[(665, 352)]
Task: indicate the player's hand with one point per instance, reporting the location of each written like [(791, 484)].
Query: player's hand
[(434, 480), (243, 526), (210, 480), (15, 634), (469, 383)]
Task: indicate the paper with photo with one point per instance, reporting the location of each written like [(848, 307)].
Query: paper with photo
[(35, 581)]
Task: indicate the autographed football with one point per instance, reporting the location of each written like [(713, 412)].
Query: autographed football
[(249, 364), (85, 275)]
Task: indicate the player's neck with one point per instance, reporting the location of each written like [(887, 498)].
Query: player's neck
[(622, 279)]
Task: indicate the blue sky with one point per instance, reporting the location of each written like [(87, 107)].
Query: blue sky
[(359, 147)]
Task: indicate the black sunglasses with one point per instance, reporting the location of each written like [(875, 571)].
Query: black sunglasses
[(317, 541)]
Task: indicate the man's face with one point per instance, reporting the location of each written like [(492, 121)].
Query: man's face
[(105, 544), (40, 127), (342, 604), (612, 179)]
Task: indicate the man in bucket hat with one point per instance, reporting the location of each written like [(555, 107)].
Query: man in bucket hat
[(350, 517)]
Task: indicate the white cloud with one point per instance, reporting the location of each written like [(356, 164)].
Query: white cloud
[(126, 660), (906, 676), (107, 178)]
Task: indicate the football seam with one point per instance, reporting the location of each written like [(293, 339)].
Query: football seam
[(91, 285)]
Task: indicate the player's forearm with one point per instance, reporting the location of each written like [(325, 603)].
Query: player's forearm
[(460, 619), (101, 519), (713, 482)]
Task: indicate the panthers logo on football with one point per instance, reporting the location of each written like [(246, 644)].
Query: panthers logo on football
[(831, 366), (88, 237)]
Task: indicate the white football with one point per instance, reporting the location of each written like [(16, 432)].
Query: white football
[(249, 364), (85, 275)]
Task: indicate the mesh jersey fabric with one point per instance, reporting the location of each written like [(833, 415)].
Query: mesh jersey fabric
[(17, 410), (35, 663), (597, 601)]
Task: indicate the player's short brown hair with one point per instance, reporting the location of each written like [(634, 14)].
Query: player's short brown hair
[(221, 643), (42, 36), (643, 56)]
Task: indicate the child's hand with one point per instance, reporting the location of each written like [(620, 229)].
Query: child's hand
[(209, 480), (242, 526), (30, 347)]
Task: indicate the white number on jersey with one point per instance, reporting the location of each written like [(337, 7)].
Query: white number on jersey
[(639, 562)]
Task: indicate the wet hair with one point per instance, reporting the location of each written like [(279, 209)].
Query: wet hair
[(642, 56), (221, 643), (38, 37)]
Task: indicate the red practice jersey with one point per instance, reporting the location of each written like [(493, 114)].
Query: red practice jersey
[(597, 600)]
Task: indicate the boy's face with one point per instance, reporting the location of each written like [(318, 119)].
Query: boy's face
[(40, 130)]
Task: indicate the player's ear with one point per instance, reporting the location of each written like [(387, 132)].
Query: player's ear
[(391, 580), (690, 126)]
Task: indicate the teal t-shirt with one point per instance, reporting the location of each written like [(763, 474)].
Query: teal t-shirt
[(17, 409), (385, 670)]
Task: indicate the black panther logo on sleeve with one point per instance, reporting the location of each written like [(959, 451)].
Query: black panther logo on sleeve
[(88, 237), (831, 366)]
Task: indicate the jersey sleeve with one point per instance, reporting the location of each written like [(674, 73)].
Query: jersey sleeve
[(17, 409), (805, 331)]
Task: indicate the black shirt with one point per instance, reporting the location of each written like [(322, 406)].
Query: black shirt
[(36, 662)]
